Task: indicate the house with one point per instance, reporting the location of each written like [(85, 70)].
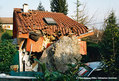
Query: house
[(6, 23), (35, 30), (97, 35)]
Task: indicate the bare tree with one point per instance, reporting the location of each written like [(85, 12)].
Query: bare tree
[(81, 15)]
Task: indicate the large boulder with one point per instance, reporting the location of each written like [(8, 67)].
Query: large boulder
[(61, 53)]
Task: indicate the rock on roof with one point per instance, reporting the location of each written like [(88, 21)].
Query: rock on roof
[(6, 20), (34, 20)]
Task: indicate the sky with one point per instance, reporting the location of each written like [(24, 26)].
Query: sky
[(99, 9)]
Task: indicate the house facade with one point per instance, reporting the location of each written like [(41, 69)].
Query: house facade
[(6, 23), (35, 30)]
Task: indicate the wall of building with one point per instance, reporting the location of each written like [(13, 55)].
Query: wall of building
[(7, 26)]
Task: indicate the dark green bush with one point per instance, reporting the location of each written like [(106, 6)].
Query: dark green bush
[(7, 35), (1, 30), (93, 52), (70, 75), (7, 51)]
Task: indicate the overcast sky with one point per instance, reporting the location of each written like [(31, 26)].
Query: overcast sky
[(99, 8)]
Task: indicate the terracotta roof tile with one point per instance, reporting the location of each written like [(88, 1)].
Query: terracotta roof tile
[(33, 20)]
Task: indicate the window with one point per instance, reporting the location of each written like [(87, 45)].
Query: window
[(49, 21), (5, 26), (8, 26)]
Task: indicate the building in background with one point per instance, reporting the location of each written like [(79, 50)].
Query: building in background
[(6, 23)]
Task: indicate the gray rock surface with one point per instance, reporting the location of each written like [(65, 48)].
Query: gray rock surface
[(61, 53)]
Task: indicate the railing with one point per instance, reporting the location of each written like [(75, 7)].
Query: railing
[(17, 78)]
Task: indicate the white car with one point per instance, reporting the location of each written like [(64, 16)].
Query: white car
[(89, 68)]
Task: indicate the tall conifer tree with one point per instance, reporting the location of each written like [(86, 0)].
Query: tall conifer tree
[(40, 7), (59, 6), (110, 46)]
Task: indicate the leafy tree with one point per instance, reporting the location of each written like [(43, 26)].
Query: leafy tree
[(110, 46), (7, 51), (40, 7), (1, 30), (59, 6), (0, 26), (7, 35)]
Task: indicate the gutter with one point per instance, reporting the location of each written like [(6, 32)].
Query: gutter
[(86, 34)]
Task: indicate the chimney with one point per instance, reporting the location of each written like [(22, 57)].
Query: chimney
[(25, 8)]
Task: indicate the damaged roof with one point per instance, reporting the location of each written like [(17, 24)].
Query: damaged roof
[(33, 20)]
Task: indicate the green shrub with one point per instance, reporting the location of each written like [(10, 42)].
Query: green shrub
[(70, 75), (93, 53), (1, 30), (7, 51), (7, 35)]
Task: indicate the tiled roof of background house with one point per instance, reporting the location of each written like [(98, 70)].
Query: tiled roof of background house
[(33, 21), (6, 20)]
